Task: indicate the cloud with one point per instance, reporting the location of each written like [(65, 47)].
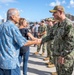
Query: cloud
[(52, 4), (63, 2), (7, 1), (71, 3), (57, 2)]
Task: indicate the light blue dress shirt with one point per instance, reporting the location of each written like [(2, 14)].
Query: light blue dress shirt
[(10, 42)]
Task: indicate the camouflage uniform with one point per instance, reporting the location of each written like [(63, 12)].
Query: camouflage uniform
[(63, 35), (41, 29), (49, 46)]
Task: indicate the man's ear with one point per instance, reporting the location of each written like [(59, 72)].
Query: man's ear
[(12, 17)]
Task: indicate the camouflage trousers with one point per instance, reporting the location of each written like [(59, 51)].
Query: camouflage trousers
[(67, 67), (43, 47), (50, 51)]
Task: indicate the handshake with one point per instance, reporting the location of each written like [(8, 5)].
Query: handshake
[(31, 42), (38, 41)]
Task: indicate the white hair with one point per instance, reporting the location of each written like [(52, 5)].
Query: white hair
[(11, 12)]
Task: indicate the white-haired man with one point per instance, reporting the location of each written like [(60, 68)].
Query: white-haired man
[(10, 42)]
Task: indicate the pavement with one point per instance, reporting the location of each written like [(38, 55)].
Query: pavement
[(36, 65)]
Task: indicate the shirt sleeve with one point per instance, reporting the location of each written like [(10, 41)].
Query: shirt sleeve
[(48, 37), (17, 37)]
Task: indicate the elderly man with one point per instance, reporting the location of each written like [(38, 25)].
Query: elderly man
[(63, 46), (10, 42)]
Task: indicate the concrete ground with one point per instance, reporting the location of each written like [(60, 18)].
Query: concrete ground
[(36, 65)]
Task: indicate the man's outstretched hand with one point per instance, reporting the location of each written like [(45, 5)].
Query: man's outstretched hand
[(38, 41)]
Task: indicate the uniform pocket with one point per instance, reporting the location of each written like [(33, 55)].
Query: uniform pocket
[(68, 61)]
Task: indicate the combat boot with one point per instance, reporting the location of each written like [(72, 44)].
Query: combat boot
[(54, 73), (42, 54), (45, 59), (50, 65), (36, 53)]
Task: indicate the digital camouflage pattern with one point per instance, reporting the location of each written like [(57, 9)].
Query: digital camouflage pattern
[(63, 45), (41, 29), (49, 45), (48, 29)]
